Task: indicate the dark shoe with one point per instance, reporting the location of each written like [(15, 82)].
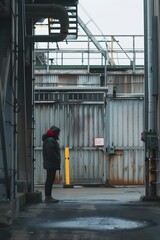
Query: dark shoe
[(49, 199)]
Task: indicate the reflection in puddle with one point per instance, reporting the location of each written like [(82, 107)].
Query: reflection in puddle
[(97, 223)]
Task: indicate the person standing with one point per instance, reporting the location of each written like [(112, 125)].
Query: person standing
[(51, 160)]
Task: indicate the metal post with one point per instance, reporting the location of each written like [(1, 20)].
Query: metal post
[(67, 166), (112, 57), (105, 69), (47, 57), (3, 144), (88, 70), (14, 66), (146, 91), (134, 55), (21, 116), (61, 59)]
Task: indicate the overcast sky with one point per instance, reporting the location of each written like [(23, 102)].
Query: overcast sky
[(111, 17), (124, 17)]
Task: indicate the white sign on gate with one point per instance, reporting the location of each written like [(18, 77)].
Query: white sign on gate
[(98, 142)]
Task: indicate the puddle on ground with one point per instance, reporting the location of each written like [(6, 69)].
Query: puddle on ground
[(97, 223)]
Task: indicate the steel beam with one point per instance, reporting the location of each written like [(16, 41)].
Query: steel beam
[(3, 143)]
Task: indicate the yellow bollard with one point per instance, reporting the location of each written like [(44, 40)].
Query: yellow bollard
[(67, 166)]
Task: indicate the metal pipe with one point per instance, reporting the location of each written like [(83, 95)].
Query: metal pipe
[(134, 55), (88, 62), (150, 35), (146, 92), (70, 89), (149, 99), (105, 69), (49, 11)]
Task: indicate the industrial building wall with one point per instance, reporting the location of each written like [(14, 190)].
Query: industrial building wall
[(124, 82), (66, 80), (79, 125), (119, 120)]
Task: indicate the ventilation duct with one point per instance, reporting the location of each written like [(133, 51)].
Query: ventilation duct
[(54, 11)]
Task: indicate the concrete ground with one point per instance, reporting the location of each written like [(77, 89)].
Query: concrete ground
[(88, 214)]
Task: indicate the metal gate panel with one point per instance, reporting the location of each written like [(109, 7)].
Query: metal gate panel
[(124, 122), (124, 126), (80, 117)]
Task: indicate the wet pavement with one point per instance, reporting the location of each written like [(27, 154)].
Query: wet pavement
[(88, 213)]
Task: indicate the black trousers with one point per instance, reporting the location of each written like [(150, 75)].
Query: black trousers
[(51, 173)]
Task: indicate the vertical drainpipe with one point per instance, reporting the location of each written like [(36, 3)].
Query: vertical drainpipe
[(149, 100), (150, 80), (147, 74)]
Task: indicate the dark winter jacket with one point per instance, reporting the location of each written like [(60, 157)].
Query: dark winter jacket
[(51, 152)]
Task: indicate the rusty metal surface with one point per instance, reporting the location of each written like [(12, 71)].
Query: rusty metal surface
[(126, 168)]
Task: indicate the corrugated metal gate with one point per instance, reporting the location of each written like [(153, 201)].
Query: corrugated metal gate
[(124, 125), (80, 116), (83, 116)]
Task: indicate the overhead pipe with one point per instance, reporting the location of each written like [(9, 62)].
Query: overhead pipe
[(48, 11)]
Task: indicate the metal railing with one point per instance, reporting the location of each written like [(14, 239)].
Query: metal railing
[(119, 50)]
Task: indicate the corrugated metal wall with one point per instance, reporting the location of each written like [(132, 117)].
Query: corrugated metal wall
[(67, 80), (80, 117), (124, 126), (127, 83), (124, 83)]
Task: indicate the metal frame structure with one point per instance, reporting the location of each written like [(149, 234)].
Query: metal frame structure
[(7, 99), (16, 94)]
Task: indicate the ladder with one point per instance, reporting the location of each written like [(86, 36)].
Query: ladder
[(54, 25)]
